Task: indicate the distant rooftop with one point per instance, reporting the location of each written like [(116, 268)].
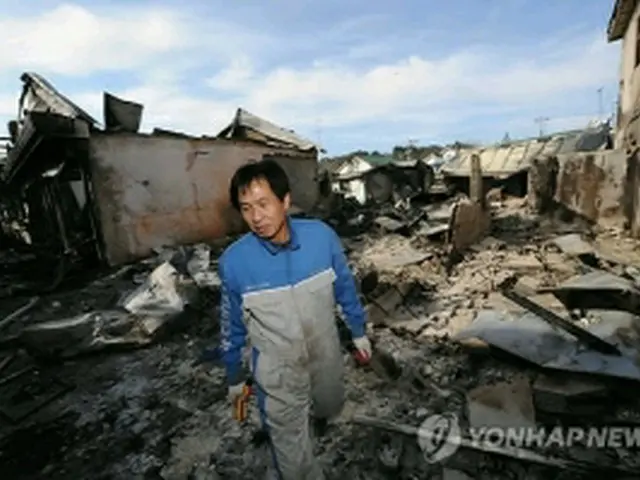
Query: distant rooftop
[(377, 160)]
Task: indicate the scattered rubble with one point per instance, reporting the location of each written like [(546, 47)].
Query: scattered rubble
[(491, 309), (153, 391)]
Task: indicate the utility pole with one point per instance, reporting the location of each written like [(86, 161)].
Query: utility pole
[(541, 122)]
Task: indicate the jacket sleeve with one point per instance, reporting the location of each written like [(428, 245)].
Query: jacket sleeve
[(233, 331), (345, 288)]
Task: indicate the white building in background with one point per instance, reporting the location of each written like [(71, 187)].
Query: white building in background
[(349, 181)]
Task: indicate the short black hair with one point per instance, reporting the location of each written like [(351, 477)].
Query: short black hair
[(268, 170)]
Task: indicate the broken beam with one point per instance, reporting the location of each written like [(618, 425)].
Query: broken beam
[(589, 339), (20, 311)]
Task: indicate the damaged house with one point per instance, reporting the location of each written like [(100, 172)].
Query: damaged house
[(381, 178), (349, 179), (506, 165), (114, 194), (601, 186)]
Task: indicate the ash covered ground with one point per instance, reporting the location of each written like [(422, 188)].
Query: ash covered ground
[(158, 412)]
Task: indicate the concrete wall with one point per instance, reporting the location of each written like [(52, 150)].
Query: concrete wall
[(156, 191), (593, 185), (629, 77)]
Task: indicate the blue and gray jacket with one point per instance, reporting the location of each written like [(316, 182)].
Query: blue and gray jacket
[(282, 297)]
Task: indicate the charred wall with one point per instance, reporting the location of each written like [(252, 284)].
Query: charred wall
[(593, 185), (154, 191), (303, 178)]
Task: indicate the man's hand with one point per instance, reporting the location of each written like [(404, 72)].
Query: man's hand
[(363, 349)]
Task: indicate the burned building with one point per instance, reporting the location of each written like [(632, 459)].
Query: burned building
[(110, 193), (507, 164), (380, 179)]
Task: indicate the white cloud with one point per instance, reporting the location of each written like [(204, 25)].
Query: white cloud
[(234, 77), (425, 90), (159, 46), (72, 40)]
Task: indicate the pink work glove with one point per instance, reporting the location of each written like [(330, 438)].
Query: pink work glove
[(363, 349)]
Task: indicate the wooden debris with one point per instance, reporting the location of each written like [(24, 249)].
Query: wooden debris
[(20, 311), (565, 394)]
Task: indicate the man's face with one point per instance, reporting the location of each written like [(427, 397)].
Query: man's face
[(263, 211)]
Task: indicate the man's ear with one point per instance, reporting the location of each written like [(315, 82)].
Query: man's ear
[(287, 201)]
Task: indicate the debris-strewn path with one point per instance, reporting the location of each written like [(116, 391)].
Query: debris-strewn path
[(157, 412)]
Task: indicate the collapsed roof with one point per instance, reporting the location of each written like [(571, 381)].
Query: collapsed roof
[(246, 125), (39, 95), (504, 160)]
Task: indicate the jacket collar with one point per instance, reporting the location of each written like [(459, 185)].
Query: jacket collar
[(275, 248)]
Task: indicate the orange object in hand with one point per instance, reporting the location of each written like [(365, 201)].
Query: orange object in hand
[(241, 402)]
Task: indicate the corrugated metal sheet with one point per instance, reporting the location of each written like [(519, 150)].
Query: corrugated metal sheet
[(39, 95), (506, 160), (262, 130)]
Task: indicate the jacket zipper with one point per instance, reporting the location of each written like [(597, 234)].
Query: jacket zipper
[(298, 314)]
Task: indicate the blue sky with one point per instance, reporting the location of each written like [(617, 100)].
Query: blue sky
[(350, 74)]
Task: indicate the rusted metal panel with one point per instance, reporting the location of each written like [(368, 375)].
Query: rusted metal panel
[(156, 191), (40, 96), (121, 115), (593, 184)]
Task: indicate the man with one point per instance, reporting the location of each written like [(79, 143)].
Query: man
[(280, 284)]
